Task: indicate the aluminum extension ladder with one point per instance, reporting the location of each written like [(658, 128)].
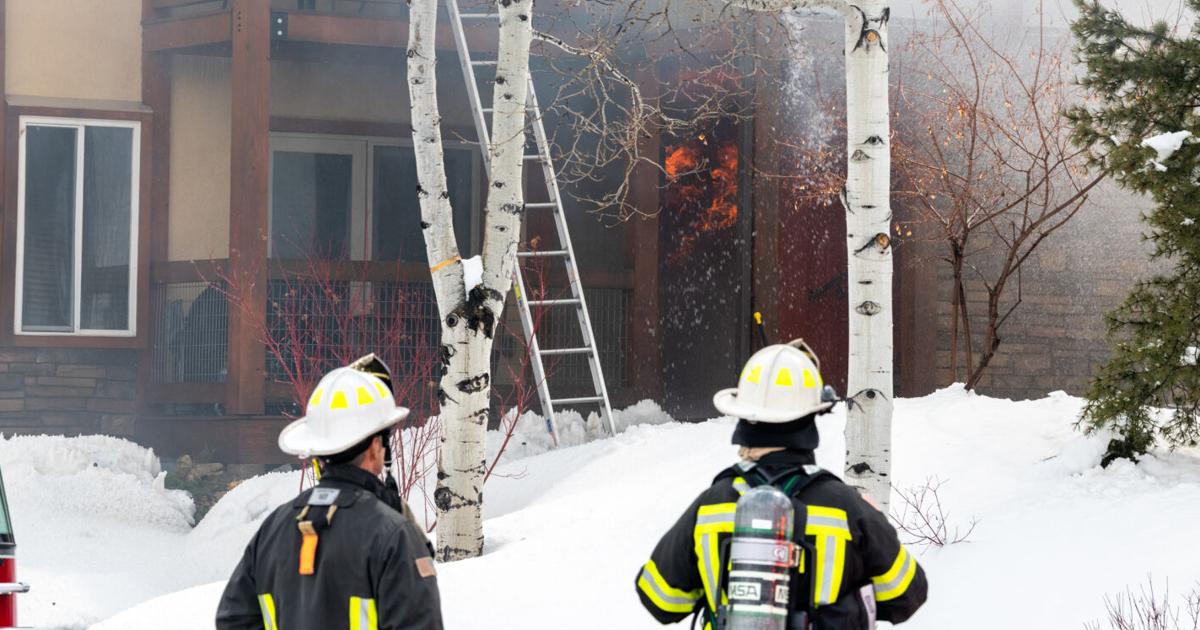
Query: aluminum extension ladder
[(566, 253)]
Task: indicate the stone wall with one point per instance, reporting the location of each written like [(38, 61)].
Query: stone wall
[(67, 391), (1056, 339)]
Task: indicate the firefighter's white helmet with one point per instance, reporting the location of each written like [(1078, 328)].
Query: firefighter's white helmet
[(347, 407), (780, 383)]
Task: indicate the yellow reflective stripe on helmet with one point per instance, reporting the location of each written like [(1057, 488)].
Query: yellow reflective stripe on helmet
[(830, 529), (364, 396), (783, 378), (363, 615), (316, 397), (753, 374), (665, 596), (339, 401), (711, 520), (266, 604), (809, 381), (895, 582)]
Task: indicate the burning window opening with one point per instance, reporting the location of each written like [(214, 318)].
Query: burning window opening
[(702, 190)]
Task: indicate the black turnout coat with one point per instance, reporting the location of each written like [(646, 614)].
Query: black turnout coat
[(858, 564), (371, 568)]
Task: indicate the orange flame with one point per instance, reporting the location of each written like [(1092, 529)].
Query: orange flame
[(708, 199)]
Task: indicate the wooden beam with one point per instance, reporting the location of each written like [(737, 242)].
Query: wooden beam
[(248, 194), (377, 32), (174, 4), (769, 115), (342, 29), (156, 94), (188, 32), (4, 207), (642, 238)]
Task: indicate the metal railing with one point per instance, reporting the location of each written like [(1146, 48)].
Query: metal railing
[(327, 323), (191, 338)]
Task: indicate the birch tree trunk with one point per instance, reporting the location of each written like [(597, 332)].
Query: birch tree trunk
[(866, 199), (468, 314)]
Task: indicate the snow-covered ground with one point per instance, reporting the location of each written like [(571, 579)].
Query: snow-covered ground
[(568, 529)]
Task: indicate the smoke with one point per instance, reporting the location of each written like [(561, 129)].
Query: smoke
[(1055, 13)]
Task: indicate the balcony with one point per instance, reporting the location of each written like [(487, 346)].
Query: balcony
[(363, 8), (205, 26), (320, 323)]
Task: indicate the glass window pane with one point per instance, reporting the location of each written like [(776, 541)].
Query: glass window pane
[(107, 206), (311, 197), (396, 211), (47, 288)]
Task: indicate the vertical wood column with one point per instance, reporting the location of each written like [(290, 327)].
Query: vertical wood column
[(3, 112), (645, 344), (8, 206), (766, 201), (249, 170), (156, 94)]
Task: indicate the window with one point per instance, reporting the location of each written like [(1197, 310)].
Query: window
[(396, 213), (356, 199), (77, 227), (317, 199)]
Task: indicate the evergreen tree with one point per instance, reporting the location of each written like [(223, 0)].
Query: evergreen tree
[(1144, 82)]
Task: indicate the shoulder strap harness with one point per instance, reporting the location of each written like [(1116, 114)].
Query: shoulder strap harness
[(311, 522)]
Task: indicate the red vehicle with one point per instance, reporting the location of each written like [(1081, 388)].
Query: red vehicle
[(9, 586)]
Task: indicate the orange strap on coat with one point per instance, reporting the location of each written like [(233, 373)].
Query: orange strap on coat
[(308, 548)]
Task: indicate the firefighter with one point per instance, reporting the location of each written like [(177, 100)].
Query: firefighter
[(857, 571), (346, 554)]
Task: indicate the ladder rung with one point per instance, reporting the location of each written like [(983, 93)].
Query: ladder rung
[(478, 16), (584, 350), (542, 204), (576, 401), (562, 302), (485, 62), (542, 253), (534, 156)]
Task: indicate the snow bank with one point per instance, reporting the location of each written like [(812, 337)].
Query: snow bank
[(216, 544), (100, 476), (190, 609), (96, 530), (531, 436), (568, 528)]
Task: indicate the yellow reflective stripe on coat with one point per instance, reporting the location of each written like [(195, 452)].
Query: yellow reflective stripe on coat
[(831, 530), (363, 615), (895, 582), (665, 596), (712, 520), (266, 603)]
